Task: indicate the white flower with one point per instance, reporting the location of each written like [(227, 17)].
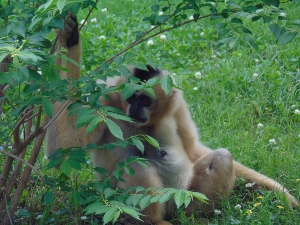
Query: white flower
[(260, 125), (150, 42), (83, 218), (218, 212), (297, 111), (102, 37), (195, 88), (272, 141), (256, 60), (163, 37), (94, 20), (161, 13), (283, 14), (255, 75), (238, 207), (104, 10), (202, 33), (191, 18), (198, 75), (82, 21), (248, 185), (213, 56)]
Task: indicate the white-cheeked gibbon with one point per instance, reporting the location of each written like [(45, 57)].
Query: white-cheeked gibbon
[(181, 162)]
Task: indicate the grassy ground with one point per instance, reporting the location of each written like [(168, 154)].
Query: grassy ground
[(238, 89)]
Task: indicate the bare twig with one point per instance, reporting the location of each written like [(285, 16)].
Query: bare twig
[(65, 105), (88, 15), (23, 161), (25, 176)]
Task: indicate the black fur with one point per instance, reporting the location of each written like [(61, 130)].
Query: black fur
[(73, 39), (145, 75)]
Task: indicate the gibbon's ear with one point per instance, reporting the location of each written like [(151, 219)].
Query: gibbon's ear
[(145, 75)]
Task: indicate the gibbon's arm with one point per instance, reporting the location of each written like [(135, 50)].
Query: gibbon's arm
[(187, 130), (62, 133)]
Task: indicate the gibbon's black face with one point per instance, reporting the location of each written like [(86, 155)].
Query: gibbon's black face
[(138, 107), (139, 102)]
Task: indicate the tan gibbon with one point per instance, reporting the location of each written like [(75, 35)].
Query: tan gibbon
[(180, 162)]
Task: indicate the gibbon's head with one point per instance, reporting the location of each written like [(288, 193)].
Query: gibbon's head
[(144, 108)]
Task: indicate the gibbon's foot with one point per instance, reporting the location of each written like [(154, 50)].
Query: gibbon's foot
[(71, 32)]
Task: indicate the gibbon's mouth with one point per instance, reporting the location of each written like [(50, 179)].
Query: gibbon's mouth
[(138, 120)]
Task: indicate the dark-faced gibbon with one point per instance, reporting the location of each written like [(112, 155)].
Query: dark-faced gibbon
[(180, 162)]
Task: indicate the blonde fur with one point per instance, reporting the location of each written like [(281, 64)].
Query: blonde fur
[(187, 165)]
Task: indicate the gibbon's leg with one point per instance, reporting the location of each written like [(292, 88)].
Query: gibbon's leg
[(263, 181), (62, 133), (146, 177), (213, 177), (189, 136)]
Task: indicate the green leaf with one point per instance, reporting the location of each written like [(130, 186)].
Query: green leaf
[(93, 124), (114, 129), (47, 106), (166, 197), (61, 5), (55, 162), (129, 171), (236, 20), (145, 201), (119, 116), (135, 199), (101, 171), (151, 141), (129, 90), (287, 37), (166, 83), (138, 144), (275, 29), (108, 192), (199, 196), (187, 200), (117, 174), (179, 198), (251, 40), (74, 164), (65, 167), (48, 197), (124, 71), (109, 215), (155, 8), (28, 56), (83, 120), (132, 212), (118, 60)]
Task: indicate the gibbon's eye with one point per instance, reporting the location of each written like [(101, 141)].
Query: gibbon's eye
[(131, 99), (145, 100)]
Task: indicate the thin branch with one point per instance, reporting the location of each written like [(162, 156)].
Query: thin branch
[(23, 161), (65, 105), (88, 15), (138, 41)]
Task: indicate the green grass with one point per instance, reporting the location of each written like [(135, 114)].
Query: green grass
[(229, 101)]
